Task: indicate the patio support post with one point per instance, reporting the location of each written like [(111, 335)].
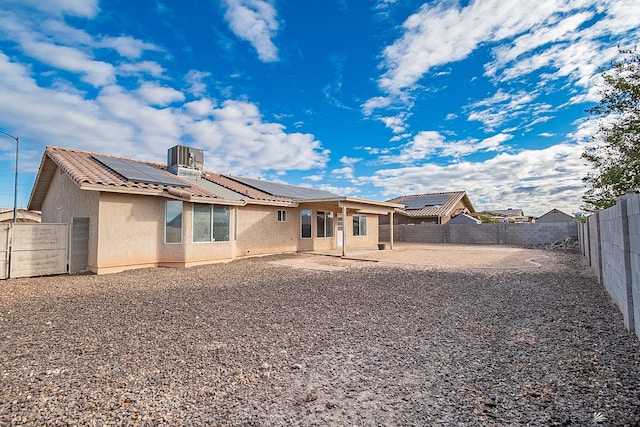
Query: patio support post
[(344, 231), (391, 230)]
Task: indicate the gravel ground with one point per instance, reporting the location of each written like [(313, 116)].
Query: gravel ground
[(258, 343)]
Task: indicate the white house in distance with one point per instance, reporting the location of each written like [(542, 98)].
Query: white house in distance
[(127, 213)]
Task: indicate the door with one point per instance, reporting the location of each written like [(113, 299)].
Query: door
[(340, 231)]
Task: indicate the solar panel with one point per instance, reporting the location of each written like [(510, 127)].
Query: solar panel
[(139, 172), (286, 190), (424, 201)]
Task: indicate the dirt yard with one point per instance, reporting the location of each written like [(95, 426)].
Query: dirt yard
[(419, 336)]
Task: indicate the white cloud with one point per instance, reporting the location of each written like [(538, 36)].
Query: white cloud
[(126, 46), (534, 180), (427, 144), (130, 123), (349, 161), (437, 35), (256, 22), (395, 123), (161, 96), (249, 144), (81, 8), (569, 38), (314, 178), (343, 173), (145, 67), (200, 108), (97, 73), (195, 79), (503, 107), (374, 103)]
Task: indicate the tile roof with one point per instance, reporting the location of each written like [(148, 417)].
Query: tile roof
[(448, 201), (89, 173), (506, 212)]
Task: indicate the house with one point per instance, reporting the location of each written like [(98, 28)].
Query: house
[(437, 208), (126, 213), (22, 215), (555, 215), (506, 215), (464, 219)]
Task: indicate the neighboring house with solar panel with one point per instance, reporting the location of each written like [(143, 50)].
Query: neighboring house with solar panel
[(127, 213), (514, 216), (436, 208)]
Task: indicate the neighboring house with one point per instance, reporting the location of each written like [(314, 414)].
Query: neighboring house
[(555, 215), (464, 219), (138, 214), (506, 215), (437, 208), (22, 215)]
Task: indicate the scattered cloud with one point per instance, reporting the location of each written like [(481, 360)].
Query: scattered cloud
[(195, 80), (256, 22), (153, 94), (564, 39), (527, 179), (428, 144), (503, 107)]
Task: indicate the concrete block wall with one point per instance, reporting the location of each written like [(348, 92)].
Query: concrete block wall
[(613, 249), (633, 218), (611, 241), (482, 234), (424, 233), (540, 234)]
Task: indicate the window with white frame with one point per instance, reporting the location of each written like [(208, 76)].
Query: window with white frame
[(324, 224), (210, 223), (282, 215), (173, 222), (359, 225), (305, 224)]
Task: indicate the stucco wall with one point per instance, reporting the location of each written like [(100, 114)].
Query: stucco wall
[(259, 231), (127, 231), (64, 201)]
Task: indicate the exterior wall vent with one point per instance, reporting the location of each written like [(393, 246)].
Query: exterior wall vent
[(185, 161)]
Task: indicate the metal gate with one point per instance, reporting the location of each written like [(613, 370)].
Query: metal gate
[(30, 249)]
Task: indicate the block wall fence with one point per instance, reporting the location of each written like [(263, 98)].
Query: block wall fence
[(610, 240), (482, 234)]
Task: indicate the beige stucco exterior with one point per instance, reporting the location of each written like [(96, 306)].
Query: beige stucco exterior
[(127, 231)]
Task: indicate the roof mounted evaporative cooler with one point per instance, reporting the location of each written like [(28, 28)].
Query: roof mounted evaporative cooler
[(185, 161)]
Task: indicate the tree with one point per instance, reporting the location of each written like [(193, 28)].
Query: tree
[(615, 156), (487, 219)]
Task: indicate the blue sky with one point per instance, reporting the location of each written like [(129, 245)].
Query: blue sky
[(369, 99)]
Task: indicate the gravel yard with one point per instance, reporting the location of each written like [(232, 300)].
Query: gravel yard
[(531, 340)]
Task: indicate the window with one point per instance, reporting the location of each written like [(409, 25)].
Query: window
[(359, 225), (324, 223), (282, 215), (210, 223), (305, 224), (173, 222)]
